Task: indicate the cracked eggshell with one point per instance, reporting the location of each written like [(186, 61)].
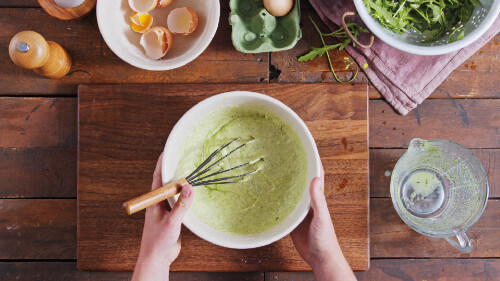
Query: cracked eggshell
[(164, 3), (182, 21), (142, 6), (140, 22), (156, 42)]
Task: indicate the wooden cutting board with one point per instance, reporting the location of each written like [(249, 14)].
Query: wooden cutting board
[(122, 131)]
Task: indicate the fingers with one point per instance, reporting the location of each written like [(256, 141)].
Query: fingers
[(157, 174), (157, 210), (304, 225), (182, 205), (318, 201), (317, 191)]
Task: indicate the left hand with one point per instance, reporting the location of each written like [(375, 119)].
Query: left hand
[(161, 242)]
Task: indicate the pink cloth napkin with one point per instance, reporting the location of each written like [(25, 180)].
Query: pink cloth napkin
[(405, 80)]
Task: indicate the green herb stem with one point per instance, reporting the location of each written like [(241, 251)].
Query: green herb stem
[(341, 34)]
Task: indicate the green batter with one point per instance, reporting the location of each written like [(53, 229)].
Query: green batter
[(263, 199)]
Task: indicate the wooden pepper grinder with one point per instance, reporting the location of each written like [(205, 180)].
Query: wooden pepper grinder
[(29, 49)]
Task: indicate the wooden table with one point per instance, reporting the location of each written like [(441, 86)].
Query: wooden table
[(38, 135)]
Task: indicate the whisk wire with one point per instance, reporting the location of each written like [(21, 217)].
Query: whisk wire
[(199, 177), (216, 162), (209, 158), (227, 170), (223, 180)]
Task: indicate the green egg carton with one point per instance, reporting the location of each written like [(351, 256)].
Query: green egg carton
[(257, 31)]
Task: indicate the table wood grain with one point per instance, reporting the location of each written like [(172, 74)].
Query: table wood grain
[(37, 165)]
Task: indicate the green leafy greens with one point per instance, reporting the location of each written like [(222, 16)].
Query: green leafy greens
[(339, 34), (432, 18)]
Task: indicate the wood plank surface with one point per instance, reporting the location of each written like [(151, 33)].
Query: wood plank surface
[(411, 269), (19, 3), (119, 145), (36, 133), (382, 163), (477, 77), (40, 122), (67, 271), (286, 68), (37, 229), (474, 78), (473, 123), (37, 172), (94, 62), (384, 269), (391, 237), (31, 122), (51, 172), (435, 269), (46, 229)]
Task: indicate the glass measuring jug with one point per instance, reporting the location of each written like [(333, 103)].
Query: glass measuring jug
[(440, 189)]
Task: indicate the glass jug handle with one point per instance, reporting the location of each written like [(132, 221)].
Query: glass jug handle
[(461, 241)]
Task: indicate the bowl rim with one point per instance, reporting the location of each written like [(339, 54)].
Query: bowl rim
[(206, 39), (378, 31), (317, 164)]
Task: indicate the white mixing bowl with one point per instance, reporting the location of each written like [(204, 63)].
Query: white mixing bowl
[(113, 18), (271, 105)]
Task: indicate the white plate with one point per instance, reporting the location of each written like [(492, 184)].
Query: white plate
[(113, 18)]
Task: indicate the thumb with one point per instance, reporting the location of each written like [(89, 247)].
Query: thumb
[(318, 201), (182, 205)]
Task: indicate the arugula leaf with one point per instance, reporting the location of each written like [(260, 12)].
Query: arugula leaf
[(318, 52), (340, 34), (434, 17)]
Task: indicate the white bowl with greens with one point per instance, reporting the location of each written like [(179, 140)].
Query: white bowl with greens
[(422, 27)]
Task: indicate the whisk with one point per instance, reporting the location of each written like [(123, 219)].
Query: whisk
[(198, 177)]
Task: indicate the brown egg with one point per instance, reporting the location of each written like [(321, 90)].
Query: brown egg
[(278, 8)]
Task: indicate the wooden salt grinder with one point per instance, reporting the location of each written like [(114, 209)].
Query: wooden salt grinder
[(28, 49)]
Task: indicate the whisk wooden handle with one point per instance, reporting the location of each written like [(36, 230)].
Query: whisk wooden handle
[(154, 196)]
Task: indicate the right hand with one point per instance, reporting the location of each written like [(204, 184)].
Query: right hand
[(161, 241), (316, 241)]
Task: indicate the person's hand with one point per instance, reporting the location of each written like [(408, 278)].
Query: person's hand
[(316, 241), (161, 242)]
